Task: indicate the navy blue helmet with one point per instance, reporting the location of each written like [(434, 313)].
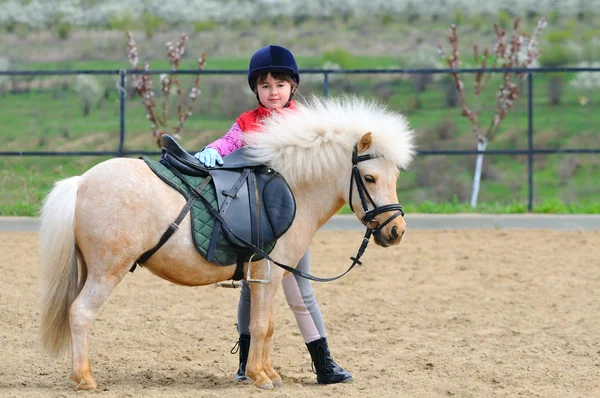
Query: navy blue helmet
[(272, 59)]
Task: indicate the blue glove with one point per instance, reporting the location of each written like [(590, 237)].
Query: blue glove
[(208, 157)]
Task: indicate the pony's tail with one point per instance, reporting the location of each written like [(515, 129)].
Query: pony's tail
[(60, 271)]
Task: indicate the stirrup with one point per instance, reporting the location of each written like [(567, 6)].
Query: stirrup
[(250, 280)]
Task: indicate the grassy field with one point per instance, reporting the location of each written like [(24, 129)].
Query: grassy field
[(46, 115)]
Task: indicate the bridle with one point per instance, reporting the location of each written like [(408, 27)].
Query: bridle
[(373, 226), (368, 220)]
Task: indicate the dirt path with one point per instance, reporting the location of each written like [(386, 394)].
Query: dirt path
[(440, 315)]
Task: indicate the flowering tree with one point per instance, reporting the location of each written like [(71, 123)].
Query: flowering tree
[(519, 51), (45, 13), (144, 87)]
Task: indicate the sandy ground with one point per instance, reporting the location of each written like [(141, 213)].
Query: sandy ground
[(486, 313)]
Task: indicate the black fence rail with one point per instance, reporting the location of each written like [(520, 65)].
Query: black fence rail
[(530, 151)]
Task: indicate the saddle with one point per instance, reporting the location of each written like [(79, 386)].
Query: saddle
[(254, 201)]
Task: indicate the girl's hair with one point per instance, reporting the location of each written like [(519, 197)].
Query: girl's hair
[(277, 76)]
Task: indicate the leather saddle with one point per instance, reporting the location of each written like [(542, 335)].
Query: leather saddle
[(254, 201)]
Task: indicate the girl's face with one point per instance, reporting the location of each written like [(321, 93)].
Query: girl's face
[(274, 93)]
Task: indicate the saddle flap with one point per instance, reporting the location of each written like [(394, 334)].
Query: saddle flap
[(262, 208), (278, 202), (234, 204)]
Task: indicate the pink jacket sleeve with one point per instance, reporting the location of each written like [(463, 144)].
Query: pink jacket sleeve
[(229, 142)]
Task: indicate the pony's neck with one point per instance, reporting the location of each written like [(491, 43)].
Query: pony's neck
[(316, 204)]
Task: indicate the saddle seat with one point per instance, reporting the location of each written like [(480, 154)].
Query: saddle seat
[(255, 201), (189, 165)]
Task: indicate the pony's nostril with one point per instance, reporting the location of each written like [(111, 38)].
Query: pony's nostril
[(394, 233)]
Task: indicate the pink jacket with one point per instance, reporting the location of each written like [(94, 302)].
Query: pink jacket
[(248, 121), (229, 142)]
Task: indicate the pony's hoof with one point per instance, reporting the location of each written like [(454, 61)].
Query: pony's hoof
[(86, 385), (268, 386), (278, 384)]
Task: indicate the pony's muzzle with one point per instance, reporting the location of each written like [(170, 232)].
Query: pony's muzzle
[(392, 233)]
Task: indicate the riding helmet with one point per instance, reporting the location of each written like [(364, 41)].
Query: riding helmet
[(272, 59)]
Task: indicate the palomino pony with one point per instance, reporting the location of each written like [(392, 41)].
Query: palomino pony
[(96, 225)]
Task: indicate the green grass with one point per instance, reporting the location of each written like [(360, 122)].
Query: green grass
[(50, 118), (304, 62)]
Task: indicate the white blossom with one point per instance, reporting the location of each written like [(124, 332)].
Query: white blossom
[(40, 13), (587, 81)]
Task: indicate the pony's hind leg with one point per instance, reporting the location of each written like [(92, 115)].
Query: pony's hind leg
[(82, 313)]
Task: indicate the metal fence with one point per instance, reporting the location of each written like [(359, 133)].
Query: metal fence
[(530, 151)]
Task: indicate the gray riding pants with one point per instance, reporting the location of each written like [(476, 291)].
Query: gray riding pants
[(301, 299)]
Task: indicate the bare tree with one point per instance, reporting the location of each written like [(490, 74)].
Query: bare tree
[(520, 51), (143, 84)]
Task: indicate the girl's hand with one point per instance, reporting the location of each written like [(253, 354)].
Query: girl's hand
[(209, 157)]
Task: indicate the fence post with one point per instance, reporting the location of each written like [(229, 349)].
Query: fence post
[(122, 74), (530, 139), (326, 84)]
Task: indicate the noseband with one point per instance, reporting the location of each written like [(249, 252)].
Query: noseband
[(373, 226)]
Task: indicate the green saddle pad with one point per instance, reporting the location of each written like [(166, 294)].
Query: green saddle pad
[(203, 222)]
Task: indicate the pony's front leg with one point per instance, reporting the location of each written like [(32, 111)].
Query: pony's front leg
[(267, 360), (260, 367)]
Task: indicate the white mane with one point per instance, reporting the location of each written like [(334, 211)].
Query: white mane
[(317, 140)]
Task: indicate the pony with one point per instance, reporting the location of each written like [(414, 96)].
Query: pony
[(95, 226)]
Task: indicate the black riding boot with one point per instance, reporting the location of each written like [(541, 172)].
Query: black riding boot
[(328, 372), (243, 346)]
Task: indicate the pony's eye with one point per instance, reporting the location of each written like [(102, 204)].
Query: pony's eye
[(370, 178)]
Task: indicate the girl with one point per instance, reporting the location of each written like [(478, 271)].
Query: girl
[(273, 76)]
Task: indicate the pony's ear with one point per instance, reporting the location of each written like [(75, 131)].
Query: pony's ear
[(365, 142)]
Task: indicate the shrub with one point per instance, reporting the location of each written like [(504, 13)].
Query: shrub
[(459, 16), (505, 20), (205, 26), (63, 30), (554, 17), (89, 91), (338, 56), (120, 22), (555, 56), (559, 36), (151, 24)]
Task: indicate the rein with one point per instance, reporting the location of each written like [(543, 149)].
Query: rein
[(368, 220)]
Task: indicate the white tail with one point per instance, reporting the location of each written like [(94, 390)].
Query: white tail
[(60, 270)]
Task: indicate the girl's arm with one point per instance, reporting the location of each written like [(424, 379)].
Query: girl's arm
[(229, 142)]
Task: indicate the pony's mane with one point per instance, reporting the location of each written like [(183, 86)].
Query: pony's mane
[(317, 140)]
